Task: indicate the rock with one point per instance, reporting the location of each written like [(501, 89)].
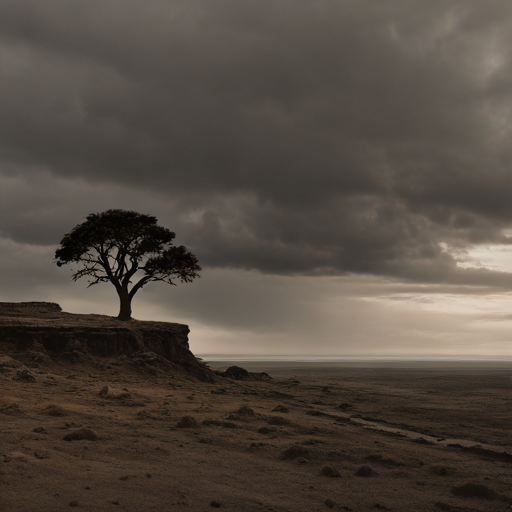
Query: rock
[(217, 423), (266, 430), (38, 430), (55, 410), (280, 408), (329, 503), (236, 373), (12, 410), (278, 421), (15, 456), (384, 461), (8, 364), (294, 452), (330, 471), (83, 434), (24, 375), (117, 394), (365, 471), (215, 504), (471, 490), (422, 440), (40, 358), (243, 413), (187, 422)]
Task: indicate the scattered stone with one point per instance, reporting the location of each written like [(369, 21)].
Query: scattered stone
[(422, 440), (280, 408), (221, 391), (384, 461), (187, 422), (344, 406), (40, 358), (471, 490), (243, 413), (302, 460), (314, 412), (24, 375), (294, 452), (38, 430), (330, 471), (329, 503), (260, 376), (124, 478), (258, 445), (15, 456), (215, 504), (217, 423), (41, 454), (380, 507), (365, 471), (278, 421), (12, 410), (74, 504), (83, 434), (55, 410), (114, 393), (7, 364), (266, 430), (440, 470)]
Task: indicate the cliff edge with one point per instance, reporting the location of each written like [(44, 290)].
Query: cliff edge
[(43, 326)]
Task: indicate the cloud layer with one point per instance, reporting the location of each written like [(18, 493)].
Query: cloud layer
[(290, 138), (294, 138)]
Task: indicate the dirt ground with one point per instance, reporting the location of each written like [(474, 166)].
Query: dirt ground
[(103, 434)]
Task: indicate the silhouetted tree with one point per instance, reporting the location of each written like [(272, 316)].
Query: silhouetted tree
[(118, 244)]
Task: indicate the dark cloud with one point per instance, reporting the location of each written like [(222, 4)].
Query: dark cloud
[(290, 138)]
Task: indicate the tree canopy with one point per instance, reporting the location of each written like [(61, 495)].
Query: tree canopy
[(128, 249)]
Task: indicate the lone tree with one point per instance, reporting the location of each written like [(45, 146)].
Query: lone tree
[(120, 246)]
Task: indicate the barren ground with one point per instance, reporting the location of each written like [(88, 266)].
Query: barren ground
[(240, 453)]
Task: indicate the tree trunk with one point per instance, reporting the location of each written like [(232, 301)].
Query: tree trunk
[(125, 311)]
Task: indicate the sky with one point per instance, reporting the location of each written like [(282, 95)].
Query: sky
[(341, 168)]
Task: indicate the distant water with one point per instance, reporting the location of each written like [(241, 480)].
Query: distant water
[(259, 363)]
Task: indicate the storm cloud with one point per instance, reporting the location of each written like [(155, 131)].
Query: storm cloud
[(288, 138)]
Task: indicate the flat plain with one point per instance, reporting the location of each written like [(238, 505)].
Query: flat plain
[(108, 434)]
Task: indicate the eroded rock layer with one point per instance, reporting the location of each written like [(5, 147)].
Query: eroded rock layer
[(44, 326)]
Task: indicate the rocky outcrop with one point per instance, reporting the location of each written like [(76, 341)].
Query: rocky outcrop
[(44, 326)]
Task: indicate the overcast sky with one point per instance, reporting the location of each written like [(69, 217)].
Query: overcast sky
[(341, 169)]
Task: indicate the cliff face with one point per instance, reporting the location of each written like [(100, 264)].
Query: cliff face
[(43, 325)]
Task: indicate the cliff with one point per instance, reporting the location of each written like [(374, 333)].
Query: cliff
[(44, 326)]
